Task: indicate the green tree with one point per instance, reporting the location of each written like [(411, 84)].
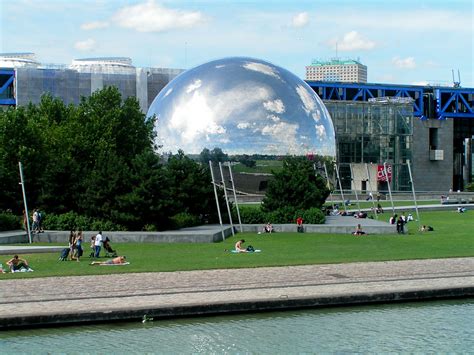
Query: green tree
[(295, 186), (190, 185)]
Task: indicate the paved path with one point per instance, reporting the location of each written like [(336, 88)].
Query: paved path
[(168, 294)]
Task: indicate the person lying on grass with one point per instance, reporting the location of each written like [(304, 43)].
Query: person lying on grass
[(115, 261)]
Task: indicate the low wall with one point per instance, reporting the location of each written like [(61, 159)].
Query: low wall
[(322, 228)]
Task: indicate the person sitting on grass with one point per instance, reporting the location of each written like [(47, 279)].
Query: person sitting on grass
[(299, 225), (17, 263), (115, 261), (359, 230), (239, 248), (268, 228)]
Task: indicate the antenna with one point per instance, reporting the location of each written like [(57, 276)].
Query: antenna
[(456, 84)]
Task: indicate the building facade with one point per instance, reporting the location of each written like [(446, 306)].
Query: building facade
[(24, 80), (349, 71), (432, 129)]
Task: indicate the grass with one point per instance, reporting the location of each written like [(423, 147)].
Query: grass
[(262, 166), (452, 237)]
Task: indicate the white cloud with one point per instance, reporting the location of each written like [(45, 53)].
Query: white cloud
[(195, 85), (184, 119), (352, 41), (243, 125), (320, 131), (95, 25), (306, 98), (404, 63), (169, 91), (86, 45), (283, 132), (262, 68), (300, 20), (276, 106), (151, 17)]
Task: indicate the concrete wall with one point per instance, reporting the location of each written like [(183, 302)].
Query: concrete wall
[(432, 175)]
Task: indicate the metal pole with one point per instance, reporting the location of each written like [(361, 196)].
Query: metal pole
[(217, 200), (355, 189), (22, 183), (414, 196), (226, 199), (329, 186), (388, 184), (371, 191), (340, 187), (235, 197)]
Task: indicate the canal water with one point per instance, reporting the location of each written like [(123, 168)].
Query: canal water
[(425, 327)]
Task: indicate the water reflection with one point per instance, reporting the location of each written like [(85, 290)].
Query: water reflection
[(418, 327)]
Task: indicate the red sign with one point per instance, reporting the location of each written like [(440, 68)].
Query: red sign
[(381, 173)]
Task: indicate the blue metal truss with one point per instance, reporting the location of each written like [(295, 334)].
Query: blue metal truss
[(454, 102), (364, 92), (450, 102), (7, 78)]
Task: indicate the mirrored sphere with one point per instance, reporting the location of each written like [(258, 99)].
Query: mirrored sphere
[(243, 106)]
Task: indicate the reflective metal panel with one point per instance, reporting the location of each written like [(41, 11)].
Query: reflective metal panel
[(243, 106)]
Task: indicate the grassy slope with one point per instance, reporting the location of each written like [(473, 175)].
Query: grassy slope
[(453, 237)]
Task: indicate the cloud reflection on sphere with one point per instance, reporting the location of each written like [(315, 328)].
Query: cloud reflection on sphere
[(243, 106)]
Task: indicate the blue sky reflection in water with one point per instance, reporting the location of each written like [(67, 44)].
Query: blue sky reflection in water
[(426, 327)]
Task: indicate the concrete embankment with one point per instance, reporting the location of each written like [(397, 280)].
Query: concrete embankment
[(128, 297)]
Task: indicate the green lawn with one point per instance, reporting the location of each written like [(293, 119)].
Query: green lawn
[(453, 237), (262, 166)]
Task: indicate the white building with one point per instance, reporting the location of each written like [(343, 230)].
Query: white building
[(349, 71)]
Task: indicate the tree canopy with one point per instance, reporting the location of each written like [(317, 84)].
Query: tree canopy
[(295, 186), (97, 159)]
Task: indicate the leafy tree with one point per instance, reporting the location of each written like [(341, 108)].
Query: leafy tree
[(295, 186), (216, 155), (247, 161), (98, 160)]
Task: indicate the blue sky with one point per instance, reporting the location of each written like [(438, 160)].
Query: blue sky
[(403, 41)]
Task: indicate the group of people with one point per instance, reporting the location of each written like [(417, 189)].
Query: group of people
[(268, 228), (37, 218), (400, 221)]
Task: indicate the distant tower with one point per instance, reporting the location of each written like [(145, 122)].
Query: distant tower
[(348, 70)]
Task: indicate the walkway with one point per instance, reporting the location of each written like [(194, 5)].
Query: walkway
[(42, 301)]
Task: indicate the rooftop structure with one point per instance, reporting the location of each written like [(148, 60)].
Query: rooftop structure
[(18, 60), (103, 64)]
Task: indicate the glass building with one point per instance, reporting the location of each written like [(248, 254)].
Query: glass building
[(373, 132), (23, 80)]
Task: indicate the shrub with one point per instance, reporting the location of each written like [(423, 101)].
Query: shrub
[(183, 220), (311, 216), (150, 228), (282, 215), (252, 215), (470, 187), (101, 225), (74, 221), (9, 221)]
